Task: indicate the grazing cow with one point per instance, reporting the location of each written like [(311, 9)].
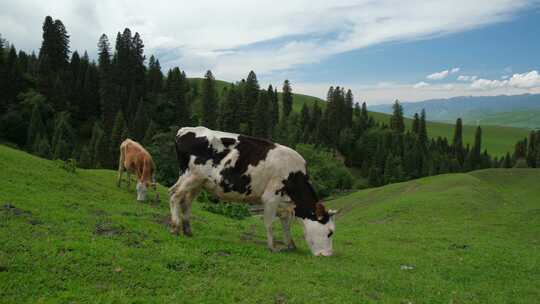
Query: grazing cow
[(135, 159), (241, 168)]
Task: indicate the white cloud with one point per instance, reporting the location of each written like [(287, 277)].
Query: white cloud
[(525, 80), (438, 75), (233, 37), (420, 84), (529, 80), (442, 74), (486, 84), (467, 78)]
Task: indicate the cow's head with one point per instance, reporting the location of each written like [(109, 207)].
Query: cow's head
[(141, 191), (318, 233)]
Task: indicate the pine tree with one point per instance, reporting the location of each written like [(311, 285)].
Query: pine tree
[(250, 97), (477, 148), (90, 107), (348, 110), (43, 148), (85, 158), (229, 120), (422, 131), (374, 177), (95, 144), (3, 77), (457, 142), (274, 106), (63, 137), (36, 127), (531, 151), (305, 123), (262, 120), (137, 63), (106, 153), (389, 169), (315, 121), (357, 111), (177, 93), (140, 123), (507, 161), (53, 61), (209, 101), (416, 124), (396, 120), (131, 107), (155, 76), (150, 133), (287, 98), (116, 135), (110, 104)]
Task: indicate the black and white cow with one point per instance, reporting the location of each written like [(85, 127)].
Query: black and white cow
[(241, 168)]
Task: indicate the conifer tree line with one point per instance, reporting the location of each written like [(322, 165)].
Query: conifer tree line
[(59, 104)]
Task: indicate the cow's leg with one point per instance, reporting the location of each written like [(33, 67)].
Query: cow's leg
[(286, 218), (174, 203), (271, 202), (120, 172), (128, 179), (178, 192), (269, 215), (185, 206)]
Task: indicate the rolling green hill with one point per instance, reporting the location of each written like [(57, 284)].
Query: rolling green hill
[(76, 237), (497, 139), (518, 119)]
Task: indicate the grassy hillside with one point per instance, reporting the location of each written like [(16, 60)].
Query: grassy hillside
[(76, 237), (519, 119), (497, 139)]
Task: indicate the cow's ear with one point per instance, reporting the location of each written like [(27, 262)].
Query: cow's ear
[(332, 212), (320, 211)]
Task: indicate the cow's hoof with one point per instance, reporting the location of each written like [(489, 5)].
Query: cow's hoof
[(186, 228), (174, 231), (291, 247), (273, 249)]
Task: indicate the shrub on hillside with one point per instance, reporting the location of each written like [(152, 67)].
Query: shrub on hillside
[(327, 174), (229, 209), (521, 163)]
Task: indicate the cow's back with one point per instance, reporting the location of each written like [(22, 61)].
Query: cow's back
[(137, 159), (233, 165)]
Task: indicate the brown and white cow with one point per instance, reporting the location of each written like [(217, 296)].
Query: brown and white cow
[(241, 168), (135, 159)]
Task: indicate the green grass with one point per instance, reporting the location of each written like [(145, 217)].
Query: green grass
[(496, 139), (75, 237), (520, 119)]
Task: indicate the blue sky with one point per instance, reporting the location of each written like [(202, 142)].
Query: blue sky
[(383, 50)]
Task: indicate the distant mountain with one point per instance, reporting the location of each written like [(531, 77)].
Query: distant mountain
[(475, 109)]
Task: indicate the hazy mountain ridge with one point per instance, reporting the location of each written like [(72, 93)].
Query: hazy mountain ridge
[(472, 108)]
